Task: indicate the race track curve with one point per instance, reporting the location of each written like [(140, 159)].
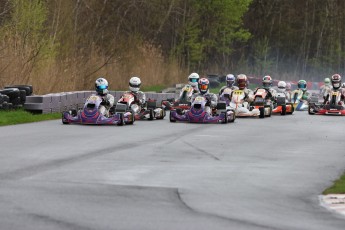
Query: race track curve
[(156, 175)]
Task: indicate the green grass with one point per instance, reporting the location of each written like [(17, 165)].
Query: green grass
[(21, 116), (337, 188), (154, 88)]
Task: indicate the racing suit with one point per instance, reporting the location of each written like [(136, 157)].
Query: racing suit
[(287, 94), (247, 100), (108, 101), (305, 96), (211, 98), (186, 93), (224, 87), (324, 91), (327, 95)]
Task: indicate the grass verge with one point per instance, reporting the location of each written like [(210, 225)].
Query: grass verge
[(337, 188), (21, 116)]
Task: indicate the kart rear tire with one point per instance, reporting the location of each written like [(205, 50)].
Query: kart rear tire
[(133, 119), (270, 110), (309, 111), (283, 112), (170, 118), (262, 112), (62, 119)]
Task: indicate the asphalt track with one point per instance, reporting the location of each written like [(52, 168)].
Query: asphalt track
[(156, 175)]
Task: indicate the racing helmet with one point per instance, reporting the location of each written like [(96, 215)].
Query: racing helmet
[(336, 81), (193, 79), (327, 81), (134, 84), (203, 85), (302, 84), (267, 82), (101, 86), (241, 81), (230, 80), (282, 86)]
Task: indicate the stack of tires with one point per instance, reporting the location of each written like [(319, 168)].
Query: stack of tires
[(14, 96)]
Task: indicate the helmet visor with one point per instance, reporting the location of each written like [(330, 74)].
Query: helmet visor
[(302, 86), (134, 85), (336, 84), (203, 87), (101, 87), (193, 80)]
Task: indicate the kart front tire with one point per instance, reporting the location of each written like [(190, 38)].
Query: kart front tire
[(225, 118), (283, 112), (171, 118), (121, 120), (262, 112), (151, 114)]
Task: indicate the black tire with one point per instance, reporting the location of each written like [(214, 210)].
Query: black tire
[(283, 112), (233, 120), (133, 119), (121, 120), (262, 112), (292, 109), (170, 118), (151, 114), (225, 118), (309, 111), (28, 88), (270, 109), (62, 119)]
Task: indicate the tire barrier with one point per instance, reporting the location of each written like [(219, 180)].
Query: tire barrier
[(14, 96), (59, 102)]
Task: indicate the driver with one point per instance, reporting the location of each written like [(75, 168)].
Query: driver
[(267, 83), (134, 87), (189, 89), (302, 86), (203, 85), (108, 100), (326, 87), (242, 82), (230, 80), (336, 86), (282, 89)]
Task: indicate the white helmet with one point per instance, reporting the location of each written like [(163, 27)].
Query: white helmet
[(101, 86), (282, 86), (193, 79), (134, 84)]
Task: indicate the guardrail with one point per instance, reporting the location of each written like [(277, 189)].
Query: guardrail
[(59, 102)]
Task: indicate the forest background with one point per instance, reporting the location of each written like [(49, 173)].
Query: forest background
[(64, 45)]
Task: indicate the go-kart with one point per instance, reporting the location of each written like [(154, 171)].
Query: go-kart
[(198, 114), (298, 103), (281, 106), (180, 104), (127, 103), (242, 107), (90, 114), (262, 103), (333, 106)]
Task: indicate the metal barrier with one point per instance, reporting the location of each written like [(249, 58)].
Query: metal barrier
[(59, 102)]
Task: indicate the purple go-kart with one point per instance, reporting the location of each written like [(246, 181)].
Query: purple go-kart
[(197, 113), (90, 114)]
